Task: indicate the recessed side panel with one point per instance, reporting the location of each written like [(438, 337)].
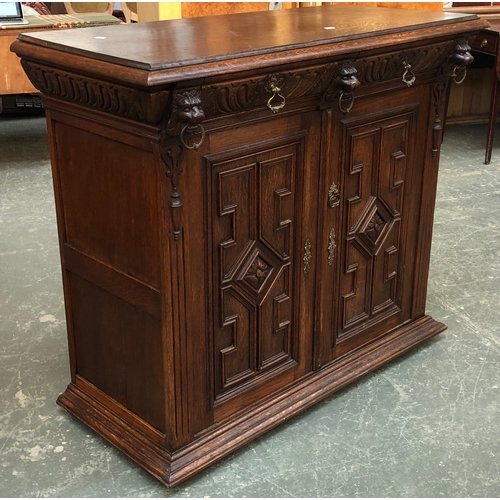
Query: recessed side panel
[(109, 197), (118, 350)]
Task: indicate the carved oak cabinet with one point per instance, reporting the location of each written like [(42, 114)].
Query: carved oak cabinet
[(245, 208)]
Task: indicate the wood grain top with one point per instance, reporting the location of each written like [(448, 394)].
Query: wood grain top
[(173, 44)]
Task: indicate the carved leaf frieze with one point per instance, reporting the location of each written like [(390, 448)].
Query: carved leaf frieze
[(247, 94), (233, 97), (244, 95), (387, 67), (105, 96)]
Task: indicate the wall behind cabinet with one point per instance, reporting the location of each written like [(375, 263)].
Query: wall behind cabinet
[(171, 10)]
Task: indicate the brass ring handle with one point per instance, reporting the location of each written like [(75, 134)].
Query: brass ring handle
[(276, 93), (408, 76), (344, 97), (454, 74), (484, 42), (196, 145)]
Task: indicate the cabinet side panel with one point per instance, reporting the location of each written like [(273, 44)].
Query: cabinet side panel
[(118, 350), (109, 197), (106, 193)]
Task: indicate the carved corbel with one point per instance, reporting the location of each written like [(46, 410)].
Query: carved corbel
[(184, 124), (171, 156), (343, 86), (439, 92), (455, 65)]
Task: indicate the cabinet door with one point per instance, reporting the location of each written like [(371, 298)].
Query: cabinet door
[(375, 164), (261, 229)]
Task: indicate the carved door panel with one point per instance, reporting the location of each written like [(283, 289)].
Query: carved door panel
[(261, 312), (378, 178)]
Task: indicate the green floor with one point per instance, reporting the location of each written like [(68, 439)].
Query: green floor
[(426, 425)]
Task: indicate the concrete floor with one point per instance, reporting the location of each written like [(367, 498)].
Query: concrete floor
[(426, 425)]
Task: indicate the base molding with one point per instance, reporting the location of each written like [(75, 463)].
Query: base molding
[(233, 433)]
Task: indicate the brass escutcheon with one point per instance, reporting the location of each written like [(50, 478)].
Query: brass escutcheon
[(333, 196), (331, 246), (307, 257)]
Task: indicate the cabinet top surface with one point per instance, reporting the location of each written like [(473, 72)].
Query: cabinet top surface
[(164, 45)]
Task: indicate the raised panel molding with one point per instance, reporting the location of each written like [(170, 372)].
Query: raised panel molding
[(255, 211), (375, 170)]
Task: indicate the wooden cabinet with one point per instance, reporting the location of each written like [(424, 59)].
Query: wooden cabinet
[(372, 220), (245, 215)]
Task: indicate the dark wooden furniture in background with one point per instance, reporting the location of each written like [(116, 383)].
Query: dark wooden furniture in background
[(487, 42), (245, 208)]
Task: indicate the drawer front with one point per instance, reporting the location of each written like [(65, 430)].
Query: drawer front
[(485, 42), (325, 82)]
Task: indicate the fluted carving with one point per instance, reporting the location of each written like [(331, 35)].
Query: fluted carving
[(248, 94), (323, 81), (391, 66), (98, 94)]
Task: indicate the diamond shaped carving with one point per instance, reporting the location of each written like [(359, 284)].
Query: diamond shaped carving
[(375, 227), (257, 272)]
